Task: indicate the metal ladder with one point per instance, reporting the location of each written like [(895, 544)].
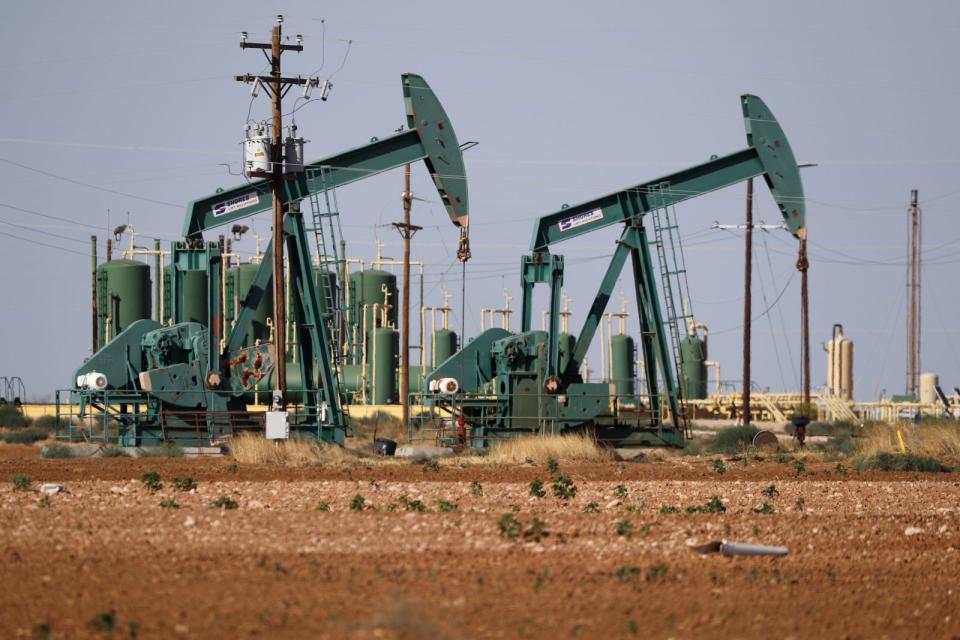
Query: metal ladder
[(328, 255), (673, 283)]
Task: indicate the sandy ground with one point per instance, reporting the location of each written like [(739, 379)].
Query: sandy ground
[(871, 556)]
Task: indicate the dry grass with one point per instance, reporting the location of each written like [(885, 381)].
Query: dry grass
[(296, 452), (936, 440), (539, 449)]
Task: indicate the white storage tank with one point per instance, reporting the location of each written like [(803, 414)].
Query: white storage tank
[(928, 387), (840, 364)]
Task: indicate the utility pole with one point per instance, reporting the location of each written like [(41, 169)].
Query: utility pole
[(913, 294), (93, 292), (276, 85), (803, 265), (407, 231), (747, 302)]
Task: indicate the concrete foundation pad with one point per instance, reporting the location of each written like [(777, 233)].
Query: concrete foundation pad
[(424, 451)]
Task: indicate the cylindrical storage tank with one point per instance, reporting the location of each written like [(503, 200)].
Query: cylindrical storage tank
[(565, 344), (353, 379), (846, 369), (415, 379), (693, 358), (928, 387), (622, 365), (383, 359), (123, 296), (242, 277), (365, 288), (443, 347)]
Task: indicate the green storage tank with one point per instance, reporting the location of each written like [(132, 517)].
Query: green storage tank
[(193, 297), (444, 345), (365, 288), (624, 373), (353, 379), (329, 278), (565, 344), (239, 280), (123, 296), (693, 358), (383, 357)]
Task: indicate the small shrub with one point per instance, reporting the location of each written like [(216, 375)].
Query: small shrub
[(732, 439), (669, 509), (625, 528), (535, 531), (21, 481), (104, 621), (412, 505), (431, 465), (169, 504), (840, 469), (28, 435), (151, 480), (358, 503), (476, 489), (445, 506), (799, 468), (11, 418), (771, 492), (800, 504), (233, 468), (552, 465), (224, 502), (592, 507), (44, 502), (718, 467), (50, 423), (536, 489), (900, 462), (620, 492), (766, 508), (508, 526), (184, 484), (713, 505), (56, 450), (322, 506), (656, 572), (564, 488)]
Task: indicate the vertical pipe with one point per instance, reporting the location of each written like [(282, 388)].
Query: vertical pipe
[(747, 274), (109, 249), (158, 274), (93, 295), (802, 266)]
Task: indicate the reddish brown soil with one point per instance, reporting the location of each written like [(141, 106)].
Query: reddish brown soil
[(276, 567)]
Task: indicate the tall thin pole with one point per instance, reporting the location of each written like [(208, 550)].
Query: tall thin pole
[(407, 231), (405, 329), (747, 302), (158, 285), (93, 291), (803, 266), (913, 293), (279, 302)]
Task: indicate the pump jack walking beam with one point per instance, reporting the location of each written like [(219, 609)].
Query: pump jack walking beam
[(768, 154), (430, 137)]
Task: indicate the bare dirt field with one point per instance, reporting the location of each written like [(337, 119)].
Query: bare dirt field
[(468, 552)]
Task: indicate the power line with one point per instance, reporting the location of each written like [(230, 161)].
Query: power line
[(43, 244), (88, 185)]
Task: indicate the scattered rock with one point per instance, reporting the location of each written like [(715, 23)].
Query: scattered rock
[(51, 489), (189, 521), (912, 531), (119, 490)]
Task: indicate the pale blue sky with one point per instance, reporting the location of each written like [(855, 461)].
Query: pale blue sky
[(569, 101)]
